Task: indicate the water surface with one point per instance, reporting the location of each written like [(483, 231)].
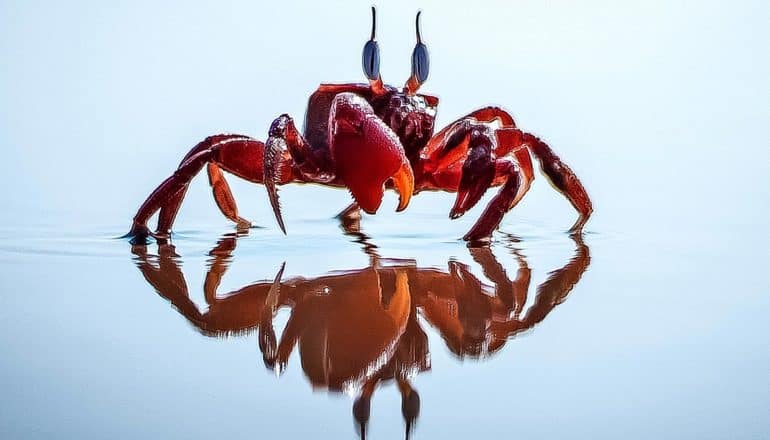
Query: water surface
[(653, 324)]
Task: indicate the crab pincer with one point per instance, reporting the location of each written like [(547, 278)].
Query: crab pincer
[(367, 153)]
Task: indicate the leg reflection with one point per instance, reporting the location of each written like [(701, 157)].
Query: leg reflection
[(359, 328)]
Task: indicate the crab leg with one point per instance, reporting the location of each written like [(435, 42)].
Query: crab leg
[(559, 174), (479, 171), (170, 209), (238, 154), (224, 196), (488, 115), (449, 144), (563, 179)]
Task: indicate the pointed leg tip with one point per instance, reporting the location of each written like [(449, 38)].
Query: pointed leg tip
[(281, 224), (243, 225), (138, 235), (577, 228)]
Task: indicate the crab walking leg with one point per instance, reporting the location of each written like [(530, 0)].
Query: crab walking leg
[(220, 188), (480, 142), (517, 144), (237, 154), (485, 115), (224, 196), (169, 211), (563, 179), (507, 146), (492, 115), (499, 205), (509, 143), (480, 170)]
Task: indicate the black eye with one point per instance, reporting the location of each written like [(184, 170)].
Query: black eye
[(420, 62), (371, 60), (371, 56)]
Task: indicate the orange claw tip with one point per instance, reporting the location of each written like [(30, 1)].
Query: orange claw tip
[(403, 181)]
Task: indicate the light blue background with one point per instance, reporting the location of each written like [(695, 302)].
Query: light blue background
[(661, 107)]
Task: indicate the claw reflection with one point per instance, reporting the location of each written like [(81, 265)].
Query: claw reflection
[(359, 328)]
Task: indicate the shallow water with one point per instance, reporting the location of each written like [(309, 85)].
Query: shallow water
[(652, 324), (574, 338)]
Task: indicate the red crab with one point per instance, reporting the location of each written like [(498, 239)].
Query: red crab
[(369, 137)]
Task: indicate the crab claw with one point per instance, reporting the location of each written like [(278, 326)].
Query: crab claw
[(367, 153)]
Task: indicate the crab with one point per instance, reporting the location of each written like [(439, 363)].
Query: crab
[(368, 137), (356, 329)]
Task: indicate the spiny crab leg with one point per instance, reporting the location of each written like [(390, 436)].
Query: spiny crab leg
[(284, 146), (237, 154), (274, 150)]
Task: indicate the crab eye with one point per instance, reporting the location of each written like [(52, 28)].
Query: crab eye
[(370, 58), (420, 61)]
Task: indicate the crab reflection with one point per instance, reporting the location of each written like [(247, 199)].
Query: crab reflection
[(357, 329)]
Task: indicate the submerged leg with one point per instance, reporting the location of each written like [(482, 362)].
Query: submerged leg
[(497, 208), (350, 218), (169, 211)]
